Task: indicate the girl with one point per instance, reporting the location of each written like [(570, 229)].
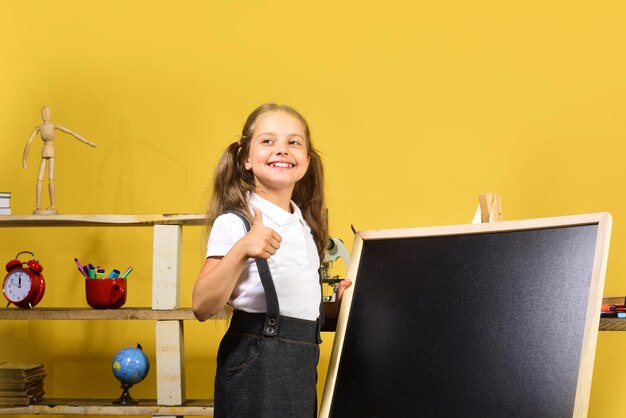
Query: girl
[(264, 251)]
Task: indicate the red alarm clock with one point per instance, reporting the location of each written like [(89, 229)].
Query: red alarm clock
[(24, 285)]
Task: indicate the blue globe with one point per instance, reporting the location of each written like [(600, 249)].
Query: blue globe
[(130, 365)]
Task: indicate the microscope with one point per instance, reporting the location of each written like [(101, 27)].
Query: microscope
[(334, 250)]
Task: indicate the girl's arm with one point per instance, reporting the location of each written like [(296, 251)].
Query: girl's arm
[(218, 276)]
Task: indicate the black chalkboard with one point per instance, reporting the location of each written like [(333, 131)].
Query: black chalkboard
[(481, 323)]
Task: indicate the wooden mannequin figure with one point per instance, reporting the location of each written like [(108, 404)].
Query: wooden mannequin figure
[(46, 130)]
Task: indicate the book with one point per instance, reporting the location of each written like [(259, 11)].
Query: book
[(5, 203), (5, 199), (619, 301), (21, 383)]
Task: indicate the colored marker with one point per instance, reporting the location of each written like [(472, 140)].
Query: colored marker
[(91, 270), (99, 273), (127, 272), (114, 273), (608, 308), (612, 314), (81, 268)]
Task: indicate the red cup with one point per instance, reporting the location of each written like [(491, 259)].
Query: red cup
[(105, 293)]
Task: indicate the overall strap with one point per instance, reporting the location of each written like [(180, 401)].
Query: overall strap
[(322, 317), (273, 310)]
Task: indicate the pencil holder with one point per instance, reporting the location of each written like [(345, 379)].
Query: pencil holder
[(105, 293)]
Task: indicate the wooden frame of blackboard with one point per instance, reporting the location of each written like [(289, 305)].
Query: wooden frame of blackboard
[(591, 318)]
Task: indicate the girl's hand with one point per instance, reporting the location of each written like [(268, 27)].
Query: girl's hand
[(261, 241), (343, 285), (331, 310)]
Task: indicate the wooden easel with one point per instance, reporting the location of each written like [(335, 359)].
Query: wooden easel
[(489, 209)]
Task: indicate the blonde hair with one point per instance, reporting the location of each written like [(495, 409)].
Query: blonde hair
[(232, 182)]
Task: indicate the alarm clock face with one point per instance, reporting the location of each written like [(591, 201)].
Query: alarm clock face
[(17, 285)]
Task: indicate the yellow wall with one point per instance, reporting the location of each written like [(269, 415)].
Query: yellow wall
[(418, 108)]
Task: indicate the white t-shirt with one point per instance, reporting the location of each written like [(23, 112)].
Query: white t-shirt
[(294, 267)]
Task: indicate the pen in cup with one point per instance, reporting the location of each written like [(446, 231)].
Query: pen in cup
[(81, 268), (91, 270)]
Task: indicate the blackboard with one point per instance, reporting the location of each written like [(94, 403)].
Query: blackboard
[(488, 320)]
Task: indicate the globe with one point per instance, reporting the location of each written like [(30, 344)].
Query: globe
[(130, 366)]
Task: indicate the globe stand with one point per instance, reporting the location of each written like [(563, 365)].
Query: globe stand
[(125, 398)]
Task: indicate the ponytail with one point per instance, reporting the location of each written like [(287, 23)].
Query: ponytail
[(308, 194), (231, 181)]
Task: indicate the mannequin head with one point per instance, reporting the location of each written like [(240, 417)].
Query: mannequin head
[(46, 113)]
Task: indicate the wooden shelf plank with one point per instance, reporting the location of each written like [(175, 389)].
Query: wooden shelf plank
[(59, 406), (100, 314), (102, 220)]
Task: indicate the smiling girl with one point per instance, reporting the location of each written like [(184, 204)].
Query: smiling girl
[(267, 240)]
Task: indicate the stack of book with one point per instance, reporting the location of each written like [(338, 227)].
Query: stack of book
[(5, 203), (21, 384), (613, 307)]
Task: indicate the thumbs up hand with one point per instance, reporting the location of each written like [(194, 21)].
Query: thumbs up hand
[(261, 241)]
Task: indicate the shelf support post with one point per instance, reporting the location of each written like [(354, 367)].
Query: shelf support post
[(170, 367), (166, 266)]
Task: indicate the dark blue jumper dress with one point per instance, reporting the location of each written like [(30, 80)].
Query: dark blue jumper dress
[(267, 362)]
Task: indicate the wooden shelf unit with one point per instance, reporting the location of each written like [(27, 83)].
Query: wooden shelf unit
[(165, 311)]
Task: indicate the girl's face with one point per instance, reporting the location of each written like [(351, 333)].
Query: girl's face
[(278, 155)]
